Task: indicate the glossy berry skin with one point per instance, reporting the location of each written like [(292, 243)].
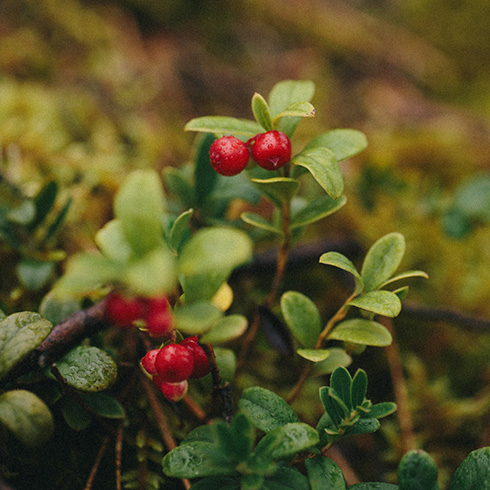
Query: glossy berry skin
[(148, 361), (173, 392), (201, 362), (159, 319), (122, 311), (271, 150), (228, 155), (174, 363)]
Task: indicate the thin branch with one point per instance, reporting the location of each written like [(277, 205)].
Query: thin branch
[(118, 451), (95, 467)]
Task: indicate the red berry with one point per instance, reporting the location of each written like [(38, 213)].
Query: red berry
[(201, 362), (228, 155), (271, 150), (159, 319), (122, 311), (148, 362), (174, 363), (173, 392)]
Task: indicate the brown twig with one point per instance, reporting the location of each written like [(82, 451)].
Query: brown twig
[(118, 451), (95, 467), (194, 407)]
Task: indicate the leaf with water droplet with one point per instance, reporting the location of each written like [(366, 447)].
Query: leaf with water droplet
[(324, 473)]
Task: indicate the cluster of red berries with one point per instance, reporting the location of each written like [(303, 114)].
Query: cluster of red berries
[(155, 312), (229, 155), (172, 365)]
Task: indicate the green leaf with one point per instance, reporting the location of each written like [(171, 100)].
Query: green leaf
[(359, 388), (178, 184), (474, 472), (343, 143), (224, 125), (139, 205), (260, 222), (266, 410), (314, 355), (20, 333), (324, 473), (236, 440), (104, 405), (286, 441), (112, 242), (202, 287), (340, 261), (302, 317), (341, 382), (34, 274), (56, 309), (43, 204), (337, 357), (195, 460), (472, 198), (296, 109), (205, 177), (363, 426), (226, 362), (404, 275), (87, 368), (361, 331), (324, 168), (383, 409), (382, 260), (261, 111), (75, 416), (180, 229), (202, 433), (417, 470), (315, 210), (26, 416), (227, 328), (373, 486), (286, 478), (217, 482), (278, 189), (334, 410), (383, 303), (196, 318)]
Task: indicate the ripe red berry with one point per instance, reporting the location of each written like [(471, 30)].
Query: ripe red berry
[(174, 363), (148, 361), (173, 392), (201, 362), (228, 155), (271, 150), (122, 311), (159, 319)]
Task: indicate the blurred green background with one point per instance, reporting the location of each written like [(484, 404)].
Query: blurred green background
[(92, 89)]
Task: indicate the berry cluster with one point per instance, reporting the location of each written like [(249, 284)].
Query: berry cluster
[(155, 312), (229, 155), (172, 365)]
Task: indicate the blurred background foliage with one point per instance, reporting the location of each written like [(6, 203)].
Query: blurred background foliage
[(91, 89)]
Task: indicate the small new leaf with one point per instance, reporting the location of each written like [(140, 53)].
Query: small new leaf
[(261, 111)]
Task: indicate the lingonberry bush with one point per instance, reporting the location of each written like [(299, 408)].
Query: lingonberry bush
[(160, 312)]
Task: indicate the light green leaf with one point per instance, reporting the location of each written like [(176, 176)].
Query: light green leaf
[(315, 210), (266, 410), (179, 229), (343, 143), (296, 109), (361, 331), (20, 333), (112, 242), (314, 355), (324, 168), (323, 473), (404, 275), (340, 261), (26, 416), (196, 318), (261, 111), (383, 303), (202, 287), (55, 308), (302, 317), (224, 125), (227, 328), (226, 362), (338, 357), (139, 205), (278, 189), (260, 222), (88, 368), (382, 260), (34, 274)]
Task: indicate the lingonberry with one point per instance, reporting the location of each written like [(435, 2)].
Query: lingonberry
[(173, 392), (148, 361), (174, 363), (159, 319), (228, 155), (201, 362), (271, 150), (122, 311)]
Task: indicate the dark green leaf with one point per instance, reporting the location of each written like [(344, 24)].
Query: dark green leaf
[(417, 470), (261, 111), (334, 410), (202, 433), (217, 482), (359, 388), (286, 478), (343, 143), (474, 472), (236, 440), (341, 382), (224, 125), (380, 410), (20, 333), (361, 331), (373, 486), (340, 261), (75, 416), (266, 410), (34, 274), (205, 177), (324, 473), (363, 426), (58, 221), (275, 331), (26, 416), (43, 203), (104, 405), (315, 210), (383, 303)]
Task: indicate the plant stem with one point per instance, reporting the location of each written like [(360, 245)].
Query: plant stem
[(95, 467)]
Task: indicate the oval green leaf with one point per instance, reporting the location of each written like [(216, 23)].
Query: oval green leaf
[(361, 331), (26, 416), (324, 473), (56, 309), (196, 318), (404, 275), (417, 470), (20, 333), (227, 328), (316, 210), (261, 111), (34, 274), (474, 472), (278, 189), (359, 388), (340, 261), (383, 303), (260, 222), (226, 362), (302, 317), (382, 260), (224, 125), (338, 357), (104, 405), (179, 229), (373, 486), (296, 109), (314, 355), (266, 410), (383, 409), (343, 143), (341, 382), (88, 368), (112, 242)]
